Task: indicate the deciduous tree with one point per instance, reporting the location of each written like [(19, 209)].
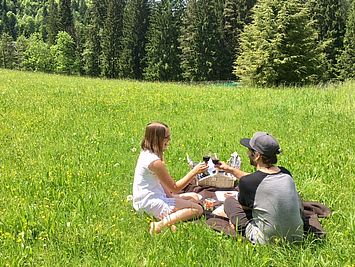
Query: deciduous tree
[(64, 54)]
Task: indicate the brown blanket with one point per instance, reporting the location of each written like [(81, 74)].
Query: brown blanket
[(312, 211)]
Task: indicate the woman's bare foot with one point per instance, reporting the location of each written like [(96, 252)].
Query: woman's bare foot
[(154, 228), (231, 225), (173, 228)]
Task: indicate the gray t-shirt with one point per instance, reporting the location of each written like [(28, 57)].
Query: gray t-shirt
[(274, 207)]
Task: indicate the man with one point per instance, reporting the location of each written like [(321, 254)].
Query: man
[(268, 205)]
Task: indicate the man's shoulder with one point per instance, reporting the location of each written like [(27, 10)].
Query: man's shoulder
[(254, 175), (254, 178)]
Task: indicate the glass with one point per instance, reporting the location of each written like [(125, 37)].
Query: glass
[(215, 159)]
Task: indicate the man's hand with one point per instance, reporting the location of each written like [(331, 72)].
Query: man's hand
[(223, 167), (229, 194)]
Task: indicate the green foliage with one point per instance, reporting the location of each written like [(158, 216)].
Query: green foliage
[(163, 52), (279, 47), (69, 146), (7, 51), (64, 54), (202, 41), (111, 39), (347, 58), (135, 24), (38, 56)]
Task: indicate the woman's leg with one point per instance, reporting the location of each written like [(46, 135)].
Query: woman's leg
[(189, 196), (184, 210)]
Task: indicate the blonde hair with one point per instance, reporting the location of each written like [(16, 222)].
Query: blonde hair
[(155, 133)]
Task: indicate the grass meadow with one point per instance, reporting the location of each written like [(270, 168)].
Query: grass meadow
[(68, 148)]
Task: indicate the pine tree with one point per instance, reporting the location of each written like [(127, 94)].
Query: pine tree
[(53, 22), (237, 14), (279, 47), (135, 24), (163, 52), (111, 38), (202, 41), (330, 18), (66, 22), (347, 58)]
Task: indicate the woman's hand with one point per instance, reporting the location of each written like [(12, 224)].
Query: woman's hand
[(200, 168)]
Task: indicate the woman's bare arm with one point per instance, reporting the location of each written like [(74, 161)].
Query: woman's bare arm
[(160, 170)]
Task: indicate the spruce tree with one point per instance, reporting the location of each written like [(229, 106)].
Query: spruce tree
[(43, 22), (92, 50), (279, 46), (66, 22), (111, 39), (11, 24), (53, 22), (21, 47), (237, 14), (163, 52), (3, 17), (135, 24), (330, 20), (347, 58), (7, 51), (202, 41)]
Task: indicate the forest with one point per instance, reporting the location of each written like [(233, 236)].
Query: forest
[(257, 42)]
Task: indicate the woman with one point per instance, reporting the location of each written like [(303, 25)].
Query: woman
[(154, 190)]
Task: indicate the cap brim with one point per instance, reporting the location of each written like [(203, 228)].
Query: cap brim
[(245, 142)]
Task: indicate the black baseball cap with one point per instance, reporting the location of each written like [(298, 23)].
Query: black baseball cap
[(263, 143)]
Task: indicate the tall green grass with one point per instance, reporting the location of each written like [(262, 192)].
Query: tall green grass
[(68, 148)]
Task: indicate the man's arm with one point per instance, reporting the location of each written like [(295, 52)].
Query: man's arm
[(228, 169)]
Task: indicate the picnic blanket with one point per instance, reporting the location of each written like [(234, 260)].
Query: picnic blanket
[(312, 212)]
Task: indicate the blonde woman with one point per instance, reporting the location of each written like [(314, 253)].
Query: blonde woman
[(154, 190)]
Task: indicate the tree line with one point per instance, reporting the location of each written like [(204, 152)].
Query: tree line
[(260, 42)]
